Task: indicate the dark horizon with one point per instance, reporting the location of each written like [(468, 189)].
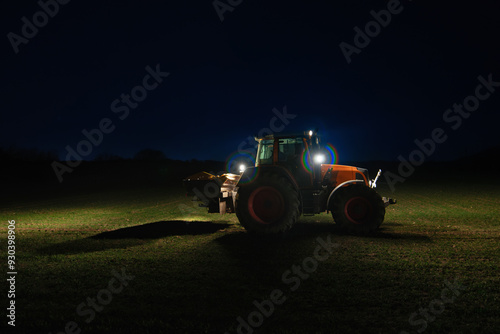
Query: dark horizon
[(35, 155)]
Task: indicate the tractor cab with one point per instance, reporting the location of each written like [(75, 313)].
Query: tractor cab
[(299, 154)]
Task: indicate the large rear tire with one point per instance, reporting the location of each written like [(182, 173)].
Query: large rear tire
[(358, 209), (269, 205)]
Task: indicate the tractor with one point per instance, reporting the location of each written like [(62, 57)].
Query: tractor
[(289, 179)]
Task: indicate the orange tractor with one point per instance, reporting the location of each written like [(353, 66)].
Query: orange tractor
[(289, 179)]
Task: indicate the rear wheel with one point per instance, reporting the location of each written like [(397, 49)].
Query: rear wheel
[(268, 205), (358, 208)]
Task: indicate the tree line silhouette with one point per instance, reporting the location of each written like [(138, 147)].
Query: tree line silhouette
[(36, 155)]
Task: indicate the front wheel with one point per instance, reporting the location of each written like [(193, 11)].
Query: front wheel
[(358, 209)]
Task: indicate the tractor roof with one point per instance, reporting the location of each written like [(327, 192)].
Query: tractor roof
[(305, 134)]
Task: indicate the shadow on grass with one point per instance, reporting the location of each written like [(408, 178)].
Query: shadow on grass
[(162, 229), (133, 236), (307, 230), (262, 259), (310, 229)]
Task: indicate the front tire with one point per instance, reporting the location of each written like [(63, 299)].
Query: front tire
[(358, 209), (269, 205)]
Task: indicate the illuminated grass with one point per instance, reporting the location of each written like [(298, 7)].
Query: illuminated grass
[(196, 272)]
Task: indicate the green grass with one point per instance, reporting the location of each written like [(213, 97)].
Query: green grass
[(197, 272)]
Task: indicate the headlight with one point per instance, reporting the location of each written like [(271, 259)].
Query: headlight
[(319, 158), (242, 168)]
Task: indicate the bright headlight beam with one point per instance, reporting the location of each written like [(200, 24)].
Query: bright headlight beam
[(242, 168), (319, 158)]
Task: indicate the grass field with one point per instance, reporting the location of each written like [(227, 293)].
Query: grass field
[(198, 273)]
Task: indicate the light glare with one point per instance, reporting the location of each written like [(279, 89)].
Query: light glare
[(319, 158)]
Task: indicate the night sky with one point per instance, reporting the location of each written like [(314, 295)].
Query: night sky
[(226, 77)]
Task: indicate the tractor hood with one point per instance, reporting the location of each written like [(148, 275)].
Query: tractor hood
[(336, 174)]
